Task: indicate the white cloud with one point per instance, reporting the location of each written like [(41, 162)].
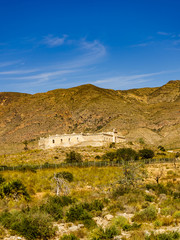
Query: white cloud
[(164, 33), (9, 63), (52, 41), (130, 78), (17, 72), (84, 55), (142, 44), (93, 48)]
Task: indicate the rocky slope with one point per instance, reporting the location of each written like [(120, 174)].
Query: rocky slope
[(151, 114)]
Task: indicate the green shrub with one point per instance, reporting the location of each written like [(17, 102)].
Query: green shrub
[(130, 227), (73, 157), (167, 211), (101, 234), (69, 237), (121, 154), (112, 145), (146, 153), (161, 148), (14, 189), (96, 205), (164, 236), (176, 216), (149, 198), (61, 200), (2, 232), (2, 180), (176, 195), (126, 154), (54, 209), (159, 188), (29, 224), (120, 221), (54, 206), (148, 214), (66, 175), (109, 156), (167, 220), (157, 223), (77, 212)]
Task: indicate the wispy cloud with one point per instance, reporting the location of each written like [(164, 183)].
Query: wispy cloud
[(145, 44), (17, 72), (125, 79), (52, 41), (93, 48), (85, 54), (9, 63), (164, 33)]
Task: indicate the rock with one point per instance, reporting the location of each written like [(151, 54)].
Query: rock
[(80, 225), (100, 221), (162, 197), (109, 217), (146, 233), (126, 215), (73, 228), (117, 238)]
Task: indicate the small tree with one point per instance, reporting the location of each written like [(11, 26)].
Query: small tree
[(2, 180), (14, 189), (133, 178), (62, 186), (25, 145), (109, 156), (161, 148), (126, 154), (73, 157), (146, 153)]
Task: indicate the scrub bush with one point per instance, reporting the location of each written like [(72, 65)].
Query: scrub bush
[(101, 234), (66, 175), (69, 237), (77, 212), (148, 214), (164, 236), (29, 224)]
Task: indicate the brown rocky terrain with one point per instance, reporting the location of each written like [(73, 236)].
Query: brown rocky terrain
[(149, 114)]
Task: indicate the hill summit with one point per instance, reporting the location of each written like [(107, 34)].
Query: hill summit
[(151, 114)]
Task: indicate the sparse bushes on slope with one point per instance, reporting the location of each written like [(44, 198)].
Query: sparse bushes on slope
[(96, 205), (77, 212), (164, 236), (146, 153), (69, 237), (66, 175), (121, 154), (101, 234), (73, 157), (54, 206), (29, 224), (148, 214), (14, 189)]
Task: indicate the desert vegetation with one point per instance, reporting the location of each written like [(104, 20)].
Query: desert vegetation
[(120, 201)]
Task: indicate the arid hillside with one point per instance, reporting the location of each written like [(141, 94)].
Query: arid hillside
[(151, 115)]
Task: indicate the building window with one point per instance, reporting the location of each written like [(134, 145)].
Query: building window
[(61, 140), (53, 141)]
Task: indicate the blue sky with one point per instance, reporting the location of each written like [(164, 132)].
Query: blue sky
[(118, 44)]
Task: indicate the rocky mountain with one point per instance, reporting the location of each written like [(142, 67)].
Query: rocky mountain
[(149, 114)]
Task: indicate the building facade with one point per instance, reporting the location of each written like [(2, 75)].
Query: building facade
[(80, 139)]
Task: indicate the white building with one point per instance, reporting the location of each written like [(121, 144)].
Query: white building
[(80, 139)]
